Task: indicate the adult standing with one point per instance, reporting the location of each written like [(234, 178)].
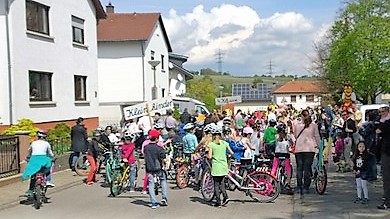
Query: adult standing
[(79, 137), (185, 117), (384, 132), (307, 140), (170, 122)]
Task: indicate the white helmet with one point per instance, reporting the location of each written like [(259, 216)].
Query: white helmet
[(216, 130), (158, 126), (227, 121), (207, 128), (247, 130), (129, 135), (189, 126)]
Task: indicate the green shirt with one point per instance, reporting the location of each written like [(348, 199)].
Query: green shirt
[(270, 135), (219, 162)]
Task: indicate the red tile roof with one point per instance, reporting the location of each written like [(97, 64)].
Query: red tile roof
[(300, 87), (130, 26)]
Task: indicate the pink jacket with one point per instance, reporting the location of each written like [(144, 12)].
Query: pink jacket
[(309, 138)]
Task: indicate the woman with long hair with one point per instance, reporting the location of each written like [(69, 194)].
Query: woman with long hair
[(307, 140)]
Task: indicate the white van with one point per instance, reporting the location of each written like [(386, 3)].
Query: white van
[(191, 104), (365, 109)]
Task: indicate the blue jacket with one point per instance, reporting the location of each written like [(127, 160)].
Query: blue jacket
[(35, 164), (237, 148)]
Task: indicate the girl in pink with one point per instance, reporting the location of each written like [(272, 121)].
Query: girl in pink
[(128, 149), (282, 146)]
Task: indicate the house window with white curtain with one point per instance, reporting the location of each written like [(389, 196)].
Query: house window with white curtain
[(80, 88)]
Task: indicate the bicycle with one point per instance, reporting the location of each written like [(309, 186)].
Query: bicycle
[(186, 173), (40, 187), (120, 179), (281, 174), (260, 185), (83, 167), (112, 162), (320, 176)]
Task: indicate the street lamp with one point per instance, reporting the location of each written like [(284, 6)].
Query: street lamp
[(220, 87), (154, 63)]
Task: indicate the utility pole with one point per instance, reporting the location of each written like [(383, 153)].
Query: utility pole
[(219, 61), (270, 67)]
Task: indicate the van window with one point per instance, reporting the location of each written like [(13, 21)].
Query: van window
[(201, 110)]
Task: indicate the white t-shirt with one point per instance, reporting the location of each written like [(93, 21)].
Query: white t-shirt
[(271, 116), (282, 146), (144, 124), (40, 147)]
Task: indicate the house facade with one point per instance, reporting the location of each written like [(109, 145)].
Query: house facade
[(48, 61), (255, 97), (300, 94), (178, 75), (128, 43)]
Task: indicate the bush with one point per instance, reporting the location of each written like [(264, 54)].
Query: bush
[(22, 125), (176, 114), (59, 138)]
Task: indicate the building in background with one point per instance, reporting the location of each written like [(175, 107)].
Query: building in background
[(127, 43), (48, 61), (178, 75), (254, 96), (300, 94)]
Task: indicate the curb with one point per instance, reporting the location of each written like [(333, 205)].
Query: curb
[(51, 191)]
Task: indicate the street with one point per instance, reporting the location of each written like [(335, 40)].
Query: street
[(83, 201)]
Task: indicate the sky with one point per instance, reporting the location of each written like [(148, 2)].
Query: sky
[(249, 36)]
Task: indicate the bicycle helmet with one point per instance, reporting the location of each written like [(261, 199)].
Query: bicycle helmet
[(207, 128), (97, 133), (227, 121), (215, 130), (158, 126), (42, 133), (272, 122), (188, 126), (281, 127), (247, 130), (129, 135)]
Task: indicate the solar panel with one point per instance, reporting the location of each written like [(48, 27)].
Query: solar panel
[(249, 91)]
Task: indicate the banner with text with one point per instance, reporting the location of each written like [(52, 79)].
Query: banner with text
[(224, 100), (141, 109)]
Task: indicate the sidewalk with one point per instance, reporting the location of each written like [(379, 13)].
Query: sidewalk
[(337, 202), (13, 193)]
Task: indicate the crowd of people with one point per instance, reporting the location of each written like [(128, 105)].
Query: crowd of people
[(278, 132)]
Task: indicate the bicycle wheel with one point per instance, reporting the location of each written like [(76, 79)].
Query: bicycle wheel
[(207, 185), (182, 176), (82, 166), (38, 195), (262, 187), (321, 180), (116, 185)]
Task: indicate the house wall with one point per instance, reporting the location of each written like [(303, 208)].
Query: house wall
[(4, 100), (300, 103), (157, 43), (58, 55), (176, 87)]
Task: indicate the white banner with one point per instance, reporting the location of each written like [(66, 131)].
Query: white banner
[(224, 100), (139, 110)]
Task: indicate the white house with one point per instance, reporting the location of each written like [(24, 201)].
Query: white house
[(300, 94), (48, 61), (127, 43), (178, 75)]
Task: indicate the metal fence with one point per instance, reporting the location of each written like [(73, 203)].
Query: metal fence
[(9, 156)]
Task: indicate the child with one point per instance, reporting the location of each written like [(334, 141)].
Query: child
[(282, 150), (339, 149), (128, 149), (360, 168), (92, 154), (269, 138)]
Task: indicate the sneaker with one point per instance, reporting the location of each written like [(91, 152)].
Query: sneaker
[(217, 204), (144, 192), (365, 201), (357, 200), (29, 193), (164, 202), (225, 202), (132, 190), (50, 184), (154, 206), (89, 183), (382, 206)]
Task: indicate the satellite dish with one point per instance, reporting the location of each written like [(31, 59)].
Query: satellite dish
[(170, 65), (179, 82), (180, 77)]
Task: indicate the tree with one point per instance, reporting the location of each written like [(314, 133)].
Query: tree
[(359, 49), (203, 89)]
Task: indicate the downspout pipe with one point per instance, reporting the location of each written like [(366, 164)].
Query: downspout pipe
[(143, 71), (10, 90)]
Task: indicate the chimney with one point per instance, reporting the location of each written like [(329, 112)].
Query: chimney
[(110, 8)]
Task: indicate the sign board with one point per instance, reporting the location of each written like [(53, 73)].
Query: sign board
[(224, 100), (141, 109)]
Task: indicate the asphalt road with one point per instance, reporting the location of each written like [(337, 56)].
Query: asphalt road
[(93, 202)]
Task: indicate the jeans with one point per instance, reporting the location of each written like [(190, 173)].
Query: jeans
[(132, 174), (219, 187), (304, 162), (75, 157), (163, 182)]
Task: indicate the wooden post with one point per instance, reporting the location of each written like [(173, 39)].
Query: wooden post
[(150, 117)]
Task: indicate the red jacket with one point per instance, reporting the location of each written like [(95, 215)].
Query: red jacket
[(128, 152)]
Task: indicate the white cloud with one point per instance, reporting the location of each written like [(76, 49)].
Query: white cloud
[(247, 40)]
